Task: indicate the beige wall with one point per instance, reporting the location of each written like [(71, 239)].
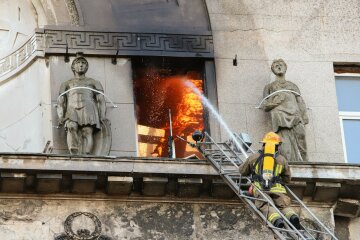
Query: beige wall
[(310, 36)]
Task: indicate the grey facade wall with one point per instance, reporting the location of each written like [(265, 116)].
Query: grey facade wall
[(310, 36), (28, 219), (117, 83), (25, 107)]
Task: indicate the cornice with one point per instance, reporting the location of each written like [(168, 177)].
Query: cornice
[(61, 42)]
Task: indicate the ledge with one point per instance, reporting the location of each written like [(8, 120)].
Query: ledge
[(316, 182), (309, 171)]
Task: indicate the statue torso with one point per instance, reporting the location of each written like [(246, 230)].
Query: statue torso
[(287, 112), (288, 99), (79, 98)]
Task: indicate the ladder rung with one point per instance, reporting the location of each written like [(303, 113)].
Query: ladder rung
[(229, 172), (217, 150)]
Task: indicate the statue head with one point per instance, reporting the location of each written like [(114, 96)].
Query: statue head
[(279, 67), (80, 64)]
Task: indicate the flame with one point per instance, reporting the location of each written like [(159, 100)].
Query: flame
[(155, 95), (189, 110)]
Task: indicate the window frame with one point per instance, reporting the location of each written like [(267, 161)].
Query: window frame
[(346, 115)]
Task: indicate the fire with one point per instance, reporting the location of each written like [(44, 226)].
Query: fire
[(155, 95), (189, 111)]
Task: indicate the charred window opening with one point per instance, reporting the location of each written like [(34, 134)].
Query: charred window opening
[(160, 85)]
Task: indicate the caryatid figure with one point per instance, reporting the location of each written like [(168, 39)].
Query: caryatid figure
[(81, 108), (288, 113)]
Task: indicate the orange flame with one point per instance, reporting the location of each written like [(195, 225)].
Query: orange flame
[(158, 95), (189, 110)]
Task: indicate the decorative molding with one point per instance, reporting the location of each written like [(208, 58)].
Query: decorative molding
[(106, 44), (83, 233), (73, 12), (131, 43), (23, 54)]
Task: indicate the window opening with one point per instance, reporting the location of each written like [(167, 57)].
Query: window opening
[(348, 97), (159, 85)]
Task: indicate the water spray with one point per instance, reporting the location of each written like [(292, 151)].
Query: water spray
[(213, 111)]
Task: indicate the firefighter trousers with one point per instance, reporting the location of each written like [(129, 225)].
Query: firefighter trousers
[(281, 200)]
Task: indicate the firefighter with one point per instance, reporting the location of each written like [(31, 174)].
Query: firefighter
[(269, 171)]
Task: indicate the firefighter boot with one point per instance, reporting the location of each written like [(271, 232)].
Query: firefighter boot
[(294, 219), (279, 223)]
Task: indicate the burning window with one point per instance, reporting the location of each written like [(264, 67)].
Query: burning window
[(163, 85)]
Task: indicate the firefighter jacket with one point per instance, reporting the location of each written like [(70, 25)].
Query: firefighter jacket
[(281, 171)]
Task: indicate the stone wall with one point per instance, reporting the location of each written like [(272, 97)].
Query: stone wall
[(354, 228), (25, 108), (310, 36), (117, 83), (25, 219), (28, 103)]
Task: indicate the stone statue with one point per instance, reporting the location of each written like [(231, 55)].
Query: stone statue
[(82, 108), (288, 113)]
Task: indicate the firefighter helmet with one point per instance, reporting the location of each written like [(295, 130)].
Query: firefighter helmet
[(271, 137)]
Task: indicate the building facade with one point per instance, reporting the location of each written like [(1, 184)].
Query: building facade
[(140, 51)]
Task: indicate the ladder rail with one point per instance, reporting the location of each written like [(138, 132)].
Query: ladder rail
[(298, 200), (310, 212), (217, 145), (254, 208), (281, 214), (226, 156), (234, 186)]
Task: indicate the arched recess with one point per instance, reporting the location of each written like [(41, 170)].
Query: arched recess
[(160, 16)]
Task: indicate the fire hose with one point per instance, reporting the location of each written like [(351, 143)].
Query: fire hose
[(278, 91), (99, 92)]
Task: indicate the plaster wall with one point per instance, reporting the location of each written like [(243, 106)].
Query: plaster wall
[(28, 219), (118, 87), (310, 36), (26, 110), (18, 21)]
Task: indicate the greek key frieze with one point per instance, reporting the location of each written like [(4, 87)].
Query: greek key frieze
[(133, 42), (107, 43), (17, 58)]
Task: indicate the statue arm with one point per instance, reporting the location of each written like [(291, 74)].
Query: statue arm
[(271, 102), (61, 105), (302, 108), (101, 105), (100, 100), (301, 104)]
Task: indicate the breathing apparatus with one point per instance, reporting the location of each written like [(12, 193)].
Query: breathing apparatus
[(266, 163)]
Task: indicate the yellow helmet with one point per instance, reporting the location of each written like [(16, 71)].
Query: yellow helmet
[(271, 137)]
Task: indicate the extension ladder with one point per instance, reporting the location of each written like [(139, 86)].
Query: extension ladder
[(226, 161)]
